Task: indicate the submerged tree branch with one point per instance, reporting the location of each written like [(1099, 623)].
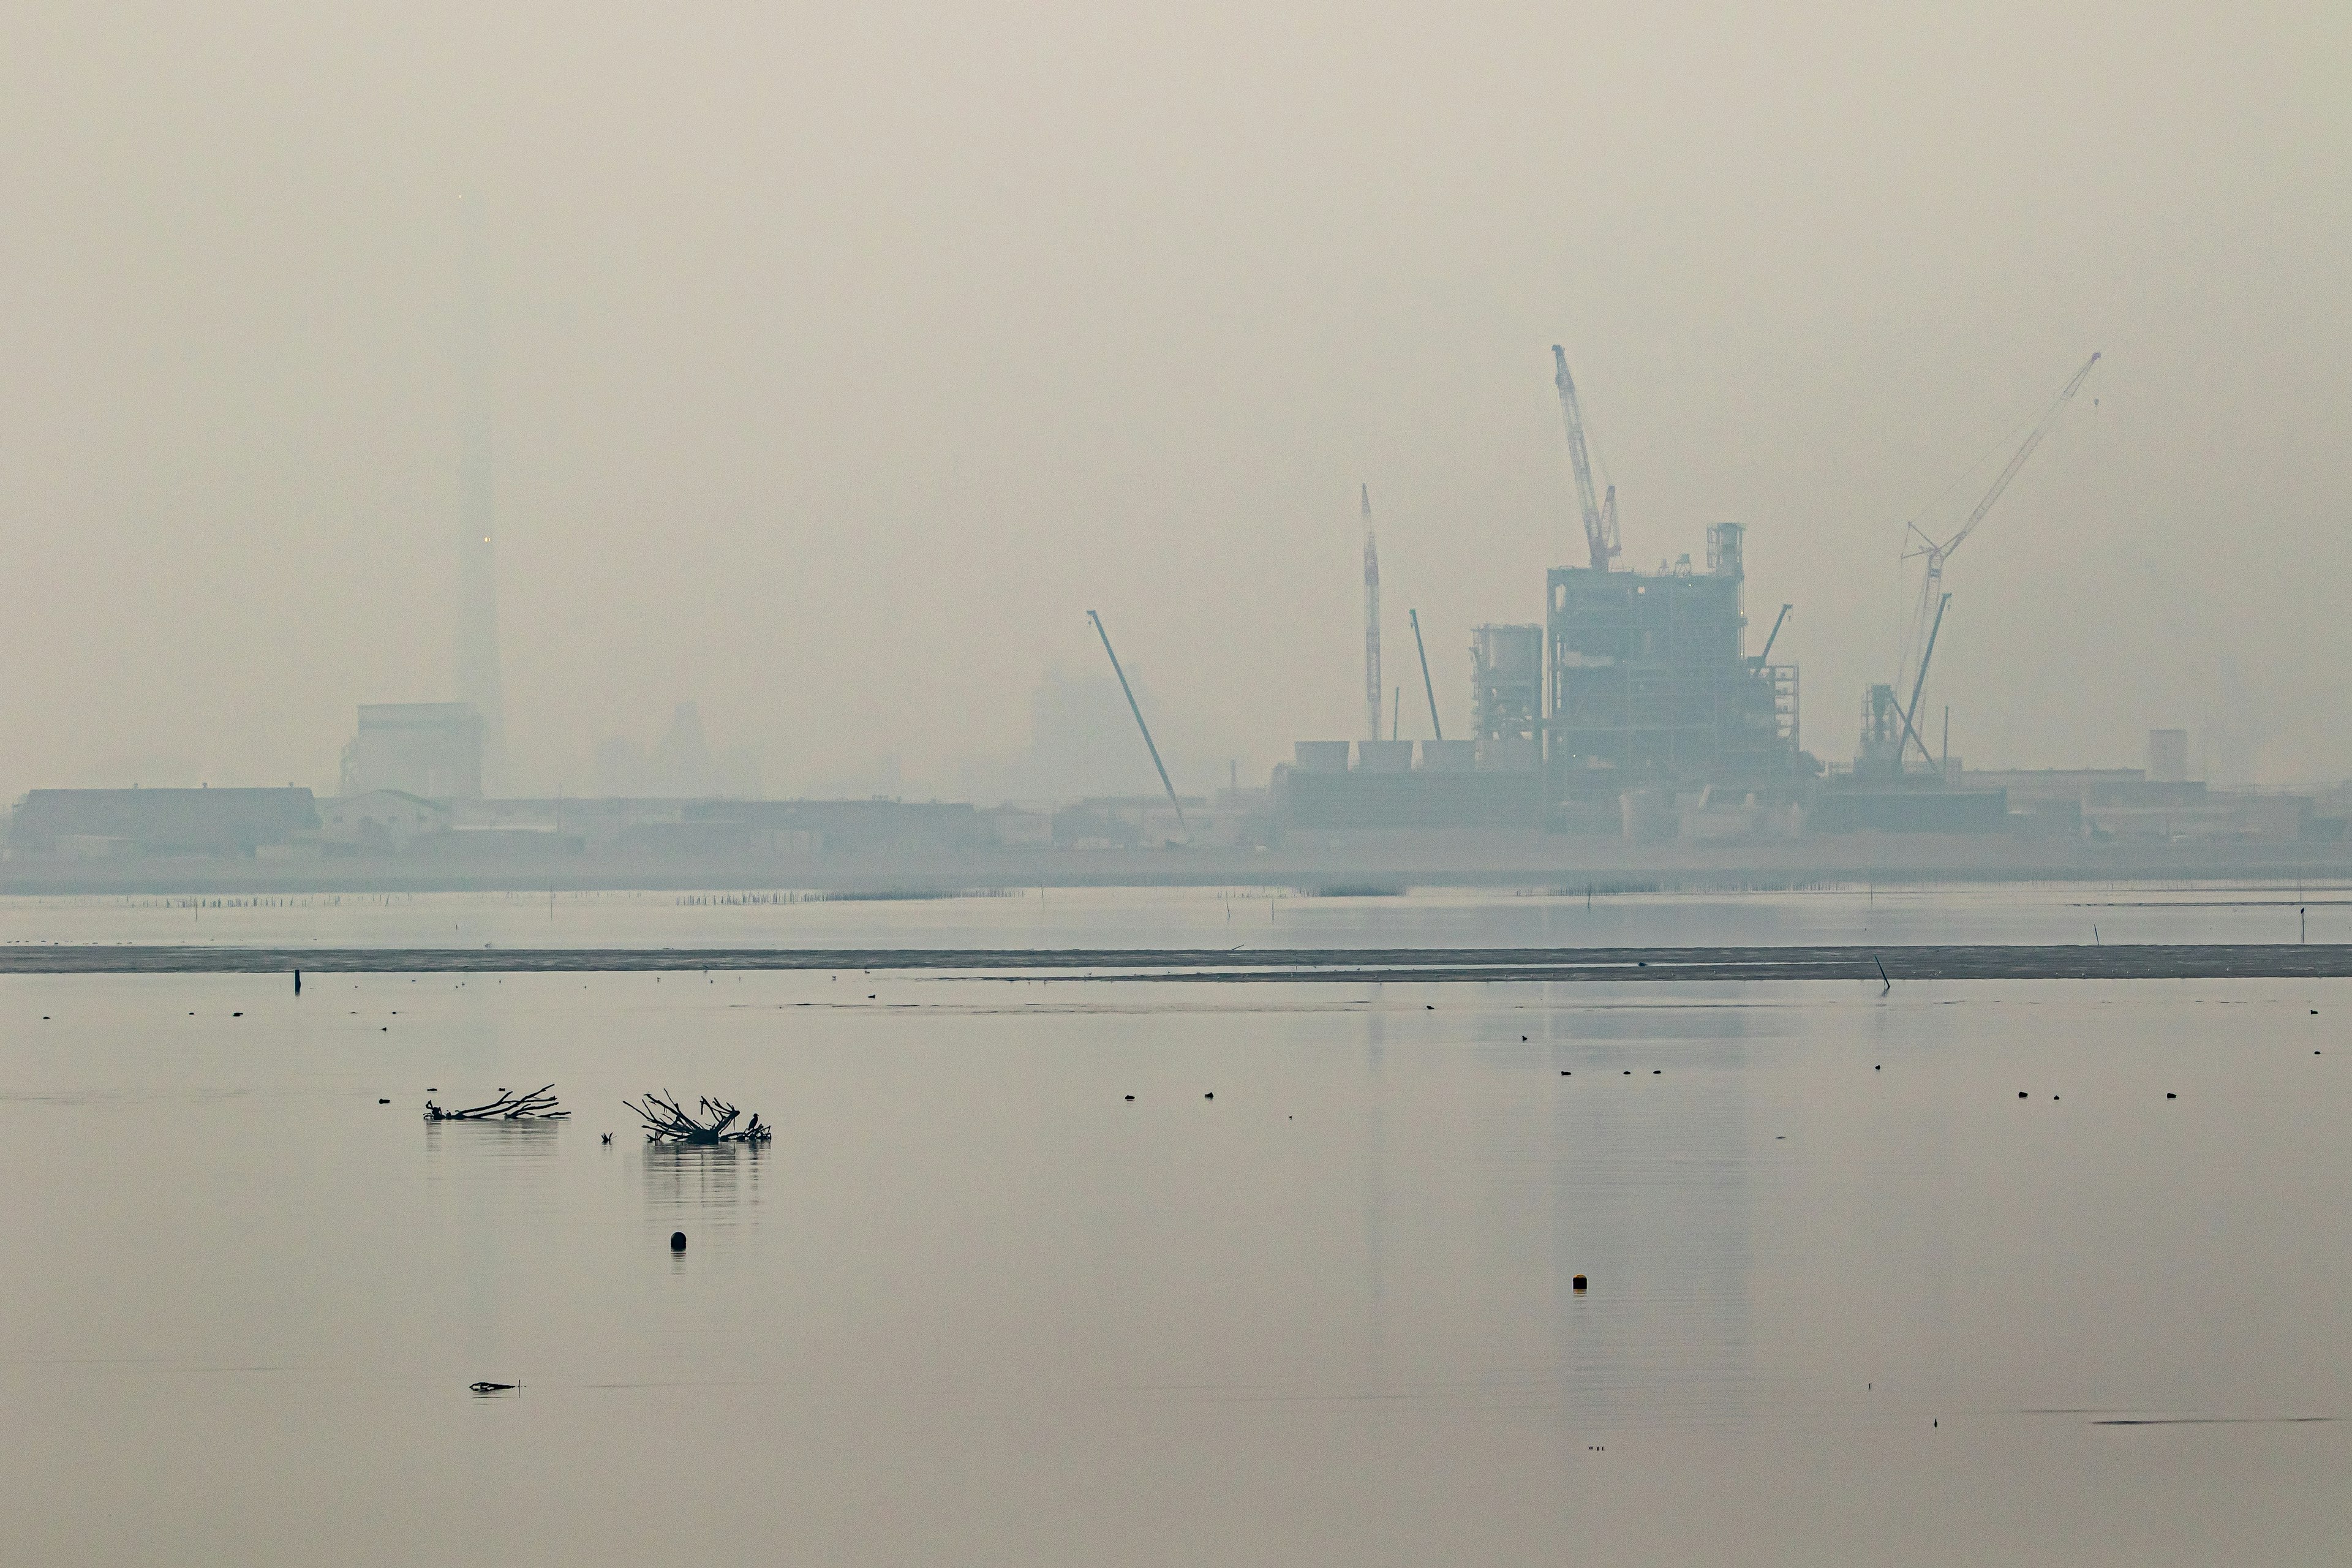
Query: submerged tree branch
[(538, 1105), (667, 1121)]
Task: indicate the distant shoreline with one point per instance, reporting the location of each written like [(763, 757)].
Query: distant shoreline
[(2141, 961), (1388, 864)]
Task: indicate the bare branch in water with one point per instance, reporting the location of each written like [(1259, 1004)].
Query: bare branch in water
[(667, 1121), (538, 1105)]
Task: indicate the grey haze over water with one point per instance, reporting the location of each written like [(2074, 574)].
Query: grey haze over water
[(843, 360)]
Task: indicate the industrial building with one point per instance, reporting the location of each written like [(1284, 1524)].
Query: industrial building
[(1320, 791), (428, 749), (1507, 695), (96, 823), (1651, 683), (1633, 684)]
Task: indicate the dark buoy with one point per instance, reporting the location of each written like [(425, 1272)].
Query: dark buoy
[(2020, 1094), (1211, 1096), (1878, 1068), (1565, 1073), (677, 1241), (383, 1102), (1130, 1097), (1577, 1283), (2172, 1097)]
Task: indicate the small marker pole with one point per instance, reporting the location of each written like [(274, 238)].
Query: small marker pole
[(1882, 976)]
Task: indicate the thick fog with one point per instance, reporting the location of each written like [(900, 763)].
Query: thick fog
[(844, 357)]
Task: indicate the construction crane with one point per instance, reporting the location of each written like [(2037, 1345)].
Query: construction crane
[(1428, 690), (1922, 546), (1600, 525), (1371, 623), (1182, 832)]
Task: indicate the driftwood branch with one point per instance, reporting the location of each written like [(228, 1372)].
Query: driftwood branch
[(538, 1105), (667, 1121)]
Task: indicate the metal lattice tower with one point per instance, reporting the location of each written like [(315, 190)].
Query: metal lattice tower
[(478, 678), (1371, 624)]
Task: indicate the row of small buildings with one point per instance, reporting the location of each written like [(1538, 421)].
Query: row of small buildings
[(1329, 796)]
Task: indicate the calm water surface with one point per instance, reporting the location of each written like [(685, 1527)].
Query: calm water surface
[(1182, 917), (1851, 1300)]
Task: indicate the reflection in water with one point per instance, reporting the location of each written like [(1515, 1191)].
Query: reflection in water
[(716, 1184), (998, 1310), (1651, 1168)]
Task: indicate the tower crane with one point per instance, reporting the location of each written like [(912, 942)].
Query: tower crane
[(1599, 524), (1922, 546)]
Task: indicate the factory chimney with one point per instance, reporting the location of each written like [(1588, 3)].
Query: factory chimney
[(478, 681), (1371, 624)]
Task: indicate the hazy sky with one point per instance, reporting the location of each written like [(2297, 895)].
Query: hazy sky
[(846, 355)]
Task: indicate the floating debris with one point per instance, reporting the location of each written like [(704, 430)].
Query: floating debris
[(667, 1121), (493, 1387), (538, 1105)]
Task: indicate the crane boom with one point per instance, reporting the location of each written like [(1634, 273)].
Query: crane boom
[(1136, 709), (1938, 553), (1596, 531), (1921, 684), (1931, 602), (1435, 727)]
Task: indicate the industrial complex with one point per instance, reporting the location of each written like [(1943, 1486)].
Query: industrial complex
[(1629, 707)]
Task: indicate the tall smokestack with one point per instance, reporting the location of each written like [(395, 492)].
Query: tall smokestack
[(1371, 624), (479, 680)]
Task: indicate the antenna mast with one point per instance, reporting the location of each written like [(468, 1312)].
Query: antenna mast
[(1371, 623)]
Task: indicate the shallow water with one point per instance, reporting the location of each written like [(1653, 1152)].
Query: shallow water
[(1850, 1299), (1193, 917)]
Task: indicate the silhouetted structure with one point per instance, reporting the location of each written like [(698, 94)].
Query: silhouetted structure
[(1651, 682), (428, 749), (99, 822)]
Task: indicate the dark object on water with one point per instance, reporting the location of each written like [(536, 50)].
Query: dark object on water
[(538, 1105), (1210, 1096), (1882, 976), (1130, 1097), (2172, 1097), (667, 1121), (677, 1241), (1577, 1283), (1879, 1069), (608, 1137), (236, 1014), (493, 1387), (383, 1102), (2020, 1094), (298, 983)]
